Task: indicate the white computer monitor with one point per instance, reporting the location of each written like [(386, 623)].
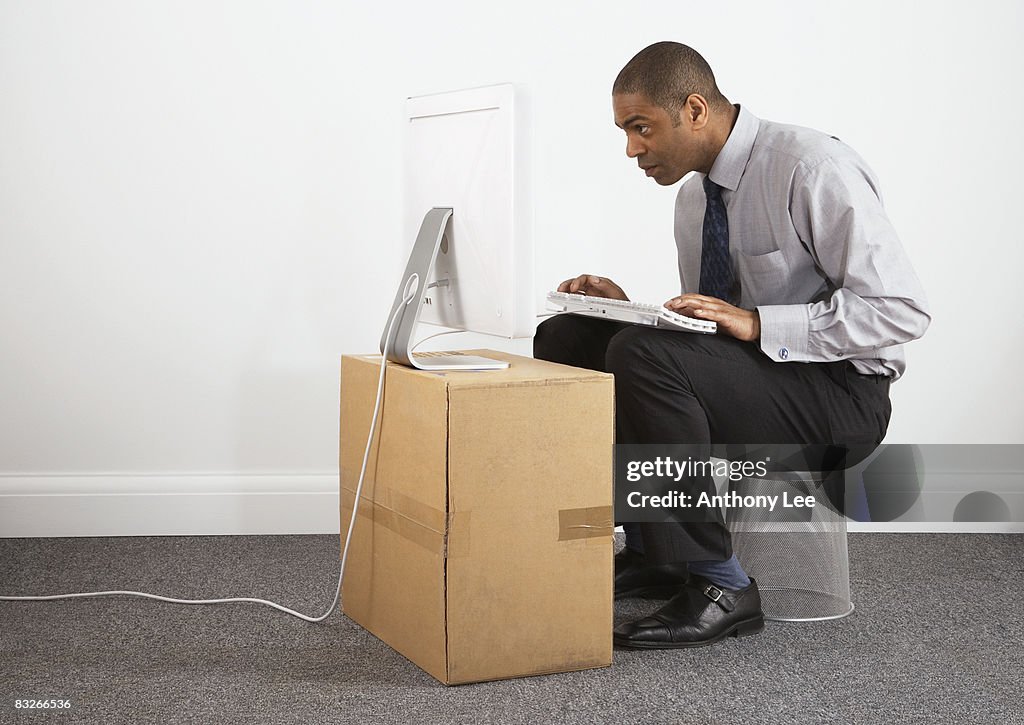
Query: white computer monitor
[(466, 152)]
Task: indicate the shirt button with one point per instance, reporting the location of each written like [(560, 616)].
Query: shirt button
[(783, 353)]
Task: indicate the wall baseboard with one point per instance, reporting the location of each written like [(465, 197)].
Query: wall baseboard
[(161, 505)]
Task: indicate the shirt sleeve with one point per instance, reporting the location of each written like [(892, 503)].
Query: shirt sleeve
[(877, 299)]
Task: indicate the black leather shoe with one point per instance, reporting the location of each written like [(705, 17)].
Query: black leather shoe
[(700, 614), (634, 577)]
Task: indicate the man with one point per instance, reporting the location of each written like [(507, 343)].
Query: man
[(783, 242)]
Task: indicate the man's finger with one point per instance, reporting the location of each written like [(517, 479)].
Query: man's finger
[(699, 302), (699, 299), (581, 283)]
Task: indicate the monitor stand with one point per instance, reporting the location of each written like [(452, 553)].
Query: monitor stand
[(409, 299)]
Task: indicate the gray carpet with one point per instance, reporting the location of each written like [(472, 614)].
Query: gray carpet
[(937, 637)]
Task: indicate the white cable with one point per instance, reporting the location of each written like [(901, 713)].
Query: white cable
[(409, 293)]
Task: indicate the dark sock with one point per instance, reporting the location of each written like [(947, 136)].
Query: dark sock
[(727, 574)]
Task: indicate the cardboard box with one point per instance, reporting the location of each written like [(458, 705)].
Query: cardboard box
[(483, 545)]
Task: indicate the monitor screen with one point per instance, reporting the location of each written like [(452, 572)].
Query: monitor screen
[(465, 150)]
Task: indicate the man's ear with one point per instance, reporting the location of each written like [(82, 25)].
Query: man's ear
[(694, 112)]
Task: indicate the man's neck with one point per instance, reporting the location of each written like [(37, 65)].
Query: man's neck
[(723, 126)]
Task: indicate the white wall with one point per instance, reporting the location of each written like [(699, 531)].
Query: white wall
[(200, 210)]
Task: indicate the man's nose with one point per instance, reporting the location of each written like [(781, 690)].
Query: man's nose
[(633, 147)]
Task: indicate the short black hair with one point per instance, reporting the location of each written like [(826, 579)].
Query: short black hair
[(668, 73)]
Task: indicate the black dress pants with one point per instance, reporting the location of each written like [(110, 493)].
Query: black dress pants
[(677, 387)]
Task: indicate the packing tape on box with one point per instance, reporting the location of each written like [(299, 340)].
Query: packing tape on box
[(417, 522), (458, 534), (409, 507), (404, 516), (585, 523), (405, 505), (425, 526)]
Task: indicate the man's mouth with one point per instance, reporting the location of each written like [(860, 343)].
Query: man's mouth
[(649, 170)]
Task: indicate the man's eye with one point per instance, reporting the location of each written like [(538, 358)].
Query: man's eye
[(642, 130)]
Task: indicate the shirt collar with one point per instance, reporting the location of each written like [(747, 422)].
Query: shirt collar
[(732, 159)]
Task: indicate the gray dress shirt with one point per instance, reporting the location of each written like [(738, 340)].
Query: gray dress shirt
[(811, 247)]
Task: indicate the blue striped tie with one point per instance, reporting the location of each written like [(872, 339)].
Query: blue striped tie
[(715, 266)]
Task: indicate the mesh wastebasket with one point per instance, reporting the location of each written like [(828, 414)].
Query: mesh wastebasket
[(797, 555)]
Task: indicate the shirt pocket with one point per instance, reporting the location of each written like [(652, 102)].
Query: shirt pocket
[(763, 276)]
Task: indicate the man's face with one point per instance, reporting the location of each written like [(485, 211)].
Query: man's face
[(665, 152)]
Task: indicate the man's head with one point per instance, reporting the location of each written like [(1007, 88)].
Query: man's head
[(675, 118)]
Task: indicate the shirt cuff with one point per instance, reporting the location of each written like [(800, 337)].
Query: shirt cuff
[(784, 332)]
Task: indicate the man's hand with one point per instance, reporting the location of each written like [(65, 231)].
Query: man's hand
[(733, 321), (588, 284)]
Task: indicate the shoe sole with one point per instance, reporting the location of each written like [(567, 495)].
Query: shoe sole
[(746, 628), (649, 593)]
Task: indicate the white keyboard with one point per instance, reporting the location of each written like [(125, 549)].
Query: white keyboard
[(638, 313)]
